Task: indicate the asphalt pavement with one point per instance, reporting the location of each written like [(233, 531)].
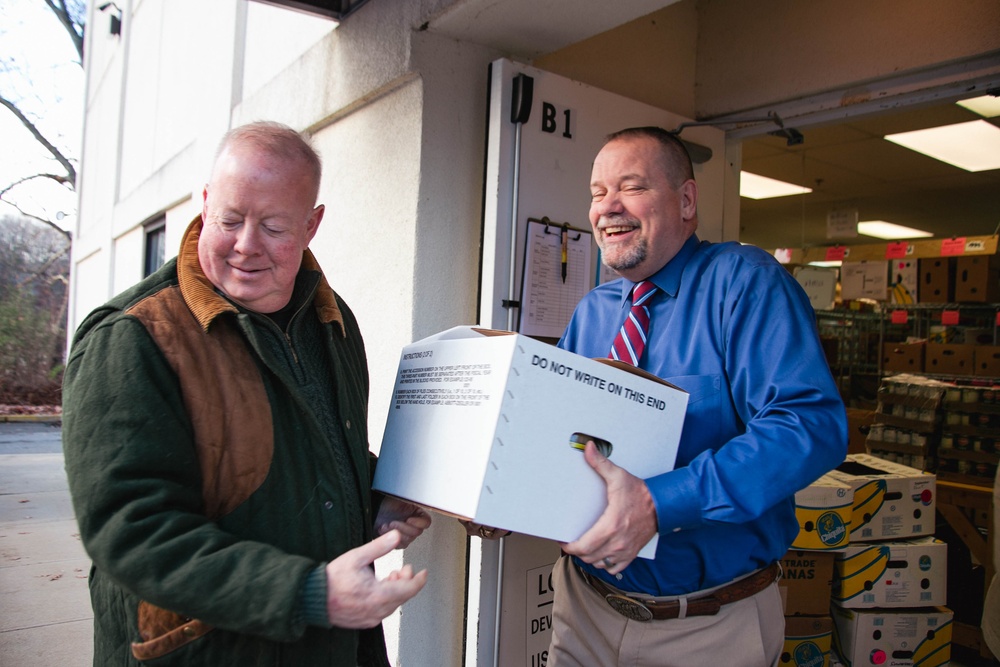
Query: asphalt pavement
[(45, 614)]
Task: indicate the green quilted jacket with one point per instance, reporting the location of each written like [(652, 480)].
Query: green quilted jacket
[(214, 461)]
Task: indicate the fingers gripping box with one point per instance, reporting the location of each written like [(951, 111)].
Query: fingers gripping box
[(490, 426)]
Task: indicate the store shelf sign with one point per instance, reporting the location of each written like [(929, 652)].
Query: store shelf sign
[(949, 317), (897, 250), (953, 246), (899, 317), (835, 253)]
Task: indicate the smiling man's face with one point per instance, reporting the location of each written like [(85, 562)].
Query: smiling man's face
[(640, 219), (258, 219)]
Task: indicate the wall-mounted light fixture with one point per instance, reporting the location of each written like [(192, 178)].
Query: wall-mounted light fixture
[(116, 17)]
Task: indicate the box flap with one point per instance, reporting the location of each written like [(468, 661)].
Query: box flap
[(629, 368)]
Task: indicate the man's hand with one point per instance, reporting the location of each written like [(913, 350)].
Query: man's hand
[(407, 518), (355, 598), (485, 532), (627, 524)]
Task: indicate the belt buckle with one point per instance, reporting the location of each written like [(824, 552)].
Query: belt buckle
[(629, 608)]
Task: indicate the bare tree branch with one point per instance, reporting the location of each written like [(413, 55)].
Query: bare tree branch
[(58, 178), (69, 236), (41, 270), (40, 138), (73, 26)]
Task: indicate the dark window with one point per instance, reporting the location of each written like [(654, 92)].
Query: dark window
[(156, 246)]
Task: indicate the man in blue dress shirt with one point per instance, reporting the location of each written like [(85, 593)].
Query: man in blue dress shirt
[(729, 325)]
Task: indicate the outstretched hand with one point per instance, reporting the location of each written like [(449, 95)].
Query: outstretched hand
[(627, 524), (355, 598), (409, 519)]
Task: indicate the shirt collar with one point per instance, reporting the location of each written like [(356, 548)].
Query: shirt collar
[(206, 304), (668, 279)]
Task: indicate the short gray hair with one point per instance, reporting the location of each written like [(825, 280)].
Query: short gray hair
[(278, 140)]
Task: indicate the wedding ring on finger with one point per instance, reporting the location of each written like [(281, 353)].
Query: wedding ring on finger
[(608, 563)]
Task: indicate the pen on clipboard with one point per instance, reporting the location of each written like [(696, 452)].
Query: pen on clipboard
[(564, 239)]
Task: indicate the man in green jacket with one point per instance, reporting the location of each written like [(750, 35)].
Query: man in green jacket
[(215, 435)]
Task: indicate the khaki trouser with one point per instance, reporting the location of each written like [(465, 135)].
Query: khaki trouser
[(589, 633)]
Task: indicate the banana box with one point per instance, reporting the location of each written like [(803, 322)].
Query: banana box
[(913, 573), (904, 279), (901, 638), (824, 510), (806, 582), (891, 501), (808, 641)]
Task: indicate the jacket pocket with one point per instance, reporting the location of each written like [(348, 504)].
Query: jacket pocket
[(163, 631)]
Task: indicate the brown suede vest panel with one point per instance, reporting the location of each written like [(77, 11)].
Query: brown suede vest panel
[(224, 396)]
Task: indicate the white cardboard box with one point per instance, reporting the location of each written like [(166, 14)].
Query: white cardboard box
[(912, 573), (893, 637), (891, 501), (482, 426), (824, 510)]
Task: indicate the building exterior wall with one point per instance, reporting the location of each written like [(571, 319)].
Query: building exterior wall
[(397, 114)]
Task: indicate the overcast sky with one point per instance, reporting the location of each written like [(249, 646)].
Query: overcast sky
[(39, 70)]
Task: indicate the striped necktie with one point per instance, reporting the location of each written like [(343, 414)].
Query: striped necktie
[(631, 338)]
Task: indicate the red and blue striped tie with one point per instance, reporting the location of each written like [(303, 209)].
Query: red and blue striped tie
[(631, 338)]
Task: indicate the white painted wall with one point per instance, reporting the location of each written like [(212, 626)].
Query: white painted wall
[(128, 259)]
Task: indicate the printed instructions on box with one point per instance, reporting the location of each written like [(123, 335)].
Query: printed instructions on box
[(443, 385)]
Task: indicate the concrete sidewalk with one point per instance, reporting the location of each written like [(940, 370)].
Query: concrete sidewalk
[(45, 614)]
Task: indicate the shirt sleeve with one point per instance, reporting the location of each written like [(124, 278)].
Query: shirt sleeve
[(788, 420)]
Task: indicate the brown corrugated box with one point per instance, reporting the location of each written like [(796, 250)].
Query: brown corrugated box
[(806, 582), (903, 357), (937, 280), (944, 359), (977, 279), (987, 360)]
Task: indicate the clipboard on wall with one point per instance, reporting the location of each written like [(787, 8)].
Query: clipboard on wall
[(547, 300)]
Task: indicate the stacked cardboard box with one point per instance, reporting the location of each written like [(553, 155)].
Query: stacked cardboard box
[(824, 511), (969, 448), (890, 581), (907, 423)]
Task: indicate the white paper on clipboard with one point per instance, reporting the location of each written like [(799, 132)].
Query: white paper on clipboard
[(547, 302)]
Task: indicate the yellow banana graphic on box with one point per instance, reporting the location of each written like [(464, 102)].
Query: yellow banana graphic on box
[(900, 294), (822, 528), (934, 651), (856, 574), (868, 499)]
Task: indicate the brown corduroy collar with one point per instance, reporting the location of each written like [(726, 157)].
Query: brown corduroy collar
[(206, 303)]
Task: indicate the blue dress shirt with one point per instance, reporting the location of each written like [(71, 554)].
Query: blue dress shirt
[(735, 330)]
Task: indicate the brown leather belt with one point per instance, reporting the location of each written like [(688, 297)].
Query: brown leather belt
[(639, 609)]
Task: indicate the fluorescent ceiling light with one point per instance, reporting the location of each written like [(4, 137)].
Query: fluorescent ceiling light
[(973, 146), (987, 105), (827, 264), (881, 229), (753, 186)]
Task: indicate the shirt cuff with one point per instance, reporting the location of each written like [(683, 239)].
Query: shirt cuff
[(676, 500), (311, 608)]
